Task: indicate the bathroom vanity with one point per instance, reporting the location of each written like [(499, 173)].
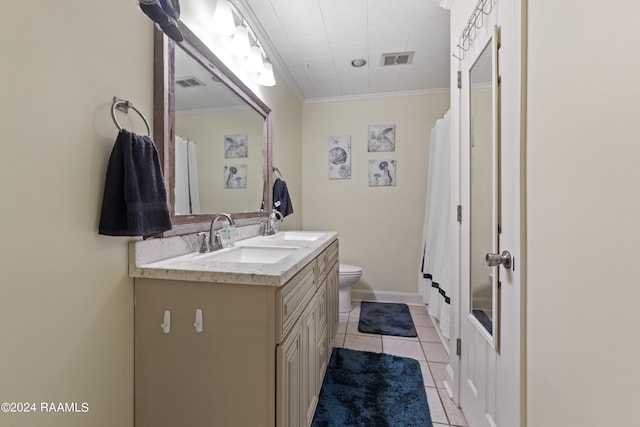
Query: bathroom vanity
[(236, 337)]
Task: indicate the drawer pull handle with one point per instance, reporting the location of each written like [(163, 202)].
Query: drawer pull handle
[(166, 324), (198, 323)]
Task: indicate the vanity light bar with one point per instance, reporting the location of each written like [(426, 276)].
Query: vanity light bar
[(244, 42)]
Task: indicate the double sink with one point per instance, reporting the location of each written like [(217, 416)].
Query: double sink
[(259, 260), (262, 250)]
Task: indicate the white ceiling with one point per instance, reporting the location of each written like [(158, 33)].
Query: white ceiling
[(316, 40), (212, 96)]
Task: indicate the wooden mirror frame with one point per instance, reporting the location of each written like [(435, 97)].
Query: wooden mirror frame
[(164, 125)]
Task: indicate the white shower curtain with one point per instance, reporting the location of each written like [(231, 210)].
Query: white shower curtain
[(436, 270), (194, 181), (187, 186)]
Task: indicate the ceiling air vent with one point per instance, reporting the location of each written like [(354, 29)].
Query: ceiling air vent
[(398, 58), (189, 82)]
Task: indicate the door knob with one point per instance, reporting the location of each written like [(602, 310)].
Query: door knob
[(497, 259)]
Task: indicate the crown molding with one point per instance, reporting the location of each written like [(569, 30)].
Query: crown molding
[(381, 95)]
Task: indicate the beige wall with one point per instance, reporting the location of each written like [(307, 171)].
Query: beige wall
[(287, 145), (286, 107), (66, 305), (380, 228), (583, 213), (66, 301), (209, 131)]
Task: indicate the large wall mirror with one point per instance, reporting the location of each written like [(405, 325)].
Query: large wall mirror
[(213, 136), (484, 191)]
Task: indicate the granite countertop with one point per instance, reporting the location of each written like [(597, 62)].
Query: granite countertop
[(174, 259)]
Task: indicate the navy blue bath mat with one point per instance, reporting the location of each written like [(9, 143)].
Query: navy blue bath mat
[(367, 389), (386, 319)]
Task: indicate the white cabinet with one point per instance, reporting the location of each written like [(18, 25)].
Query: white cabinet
[(259, 359)]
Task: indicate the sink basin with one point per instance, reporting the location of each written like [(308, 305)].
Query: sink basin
[(253, 254), (299, 235)]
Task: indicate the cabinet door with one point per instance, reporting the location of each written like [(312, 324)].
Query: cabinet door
[(333, 289), (297, 359), (323, 313), (310, 360), (323, 309), (289, 383), (323, 357), (190, 378)]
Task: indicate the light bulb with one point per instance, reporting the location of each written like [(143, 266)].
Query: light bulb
[(240, 42), (266, 77), (222, 20), (254, 61)]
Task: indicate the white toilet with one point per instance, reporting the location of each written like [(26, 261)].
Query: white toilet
[(349, 276)]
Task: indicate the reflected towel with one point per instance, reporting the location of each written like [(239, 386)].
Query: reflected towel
[(281, 199), (135, 200)]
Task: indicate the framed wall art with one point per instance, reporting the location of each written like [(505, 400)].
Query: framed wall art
[(236, 146), (382, 173), (382, 138), (235, 176), (339, 157)]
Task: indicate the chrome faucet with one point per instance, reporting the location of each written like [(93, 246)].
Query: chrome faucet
[(271, 226), (214, 238)]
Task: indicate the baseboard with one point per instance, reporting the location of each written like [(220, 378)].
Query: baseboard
[(386, 296)]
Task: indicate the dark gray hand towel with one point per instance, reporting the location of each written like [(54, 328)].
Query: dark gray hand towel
[(135, 199), (281, 199), (165, 13)]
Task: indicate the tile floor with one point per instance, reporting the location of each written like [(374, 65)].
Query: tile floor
[(426, 348)]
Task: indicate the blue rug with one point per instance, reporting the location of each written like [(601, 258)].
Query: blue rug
[(367, 389), (386, 319)]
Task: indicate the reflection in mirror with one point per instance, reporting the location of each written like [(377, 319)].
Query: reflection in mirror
[(218, 144), (484, 212), (214, 143)]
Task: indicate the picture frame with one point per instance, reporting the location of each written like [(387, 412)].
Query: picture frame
[(235, 176), (382, 138), (382, 173), (339, 157), (236, 146)]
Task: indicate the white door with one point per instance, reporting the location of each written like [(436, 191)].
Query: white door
[(491, 194)]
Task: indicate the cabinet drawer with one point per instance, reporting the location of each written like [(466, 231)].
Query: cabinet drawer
[(292, 298), (332, 254), (326, 259), (322, 266)]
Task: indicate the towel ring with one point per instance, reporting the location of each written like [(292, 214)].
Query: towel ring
[(124, 105)]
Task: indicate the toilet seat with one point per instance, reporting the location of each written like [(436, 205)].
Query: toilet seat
[(349, 270)]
